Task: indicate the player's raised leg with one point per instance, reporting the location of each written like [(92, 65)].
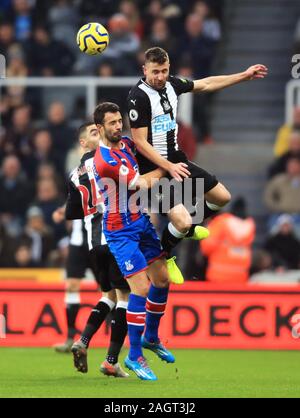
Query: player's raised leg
[(179, 227)]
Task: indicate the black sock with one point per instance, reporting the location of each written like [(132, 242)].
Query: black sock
[(71, 313), (118, 335), (169, 242), (191, 231), (96, 319)]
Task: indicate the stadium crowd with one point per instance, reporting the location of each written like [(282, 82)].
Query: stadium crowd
[(38, 141)]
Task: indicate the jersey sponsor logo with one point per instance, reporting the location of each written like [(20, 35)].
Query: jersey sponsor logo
[(129, 265), (163, 123), (133, 102), (133, 115)]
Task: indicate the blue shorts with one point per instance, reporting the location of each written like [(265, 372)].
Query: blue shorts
[(135, 246)]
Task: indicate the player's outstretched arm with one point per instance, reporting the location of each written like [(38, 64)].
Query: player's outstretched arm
[(211, 84), (178, 171)]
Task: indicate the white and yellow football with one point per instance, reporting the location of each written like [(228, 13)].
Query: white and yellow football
[(92, 38)]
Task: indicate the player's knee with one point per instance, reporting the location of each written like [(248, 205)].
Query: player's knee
[(219, 196), (110, 295), (184, 223), (225, 198), (161, 281), (142, 291)]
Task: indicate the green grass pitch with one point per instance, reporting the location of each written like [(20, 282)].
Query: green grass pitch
[(37, 373)]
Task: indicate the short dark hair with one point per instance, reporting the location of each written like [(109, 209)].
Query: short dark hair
[(83, 128), (102, 109), (156, 55)]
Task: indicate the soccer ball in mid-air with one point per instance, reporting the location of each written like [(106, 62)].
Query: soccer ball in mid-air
[(92, 38)]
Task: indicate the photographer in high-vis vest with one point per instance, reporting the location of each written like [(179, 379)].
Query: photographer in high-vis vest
[(229, 247)]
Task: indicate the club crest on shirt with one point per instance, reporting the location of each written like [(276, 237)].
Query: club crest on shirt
[(133, 115), (124, 171), (129, 265), (166, 106)]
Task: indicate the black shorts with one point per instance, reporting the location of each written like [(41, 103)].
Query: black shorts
[(106, 269), (189, 193), (78, 261)]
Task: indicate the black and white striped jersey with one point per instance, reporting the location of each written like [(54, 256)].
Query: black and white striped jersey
[(157, 110), (78, 236), (83, 199)]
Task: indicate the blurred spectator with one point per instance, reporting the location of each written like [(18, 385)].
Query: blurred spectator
[(279, 166), (262, 261), (282, 193), (124, 45), (48, 199), (15, 190), (63, 18), (229, 247), (48, 170), (112, 94), (89, 9), (24, 258), (7, 37), (153, 12), (43, 152), (283, 245), (16, 66), (160, 36), (54, 58), (37, 236), (22, 17), (283, 135), (197, 47), (211, 25), (129, 9), (17, 138), (62, 134), (6, 248)]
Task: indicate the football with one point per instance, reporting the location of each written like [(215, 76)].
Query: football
[(92, 38)]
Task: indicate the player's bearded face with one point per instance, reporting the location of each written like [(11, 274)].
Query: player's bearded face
[(113, 127), (156, 74)]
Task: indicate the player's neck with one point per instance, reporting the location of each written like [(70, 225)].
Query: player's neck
[(112, 145)]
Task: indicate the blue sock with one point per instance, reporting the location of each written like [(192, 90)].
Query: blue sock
[(136, 318), (156, 306)]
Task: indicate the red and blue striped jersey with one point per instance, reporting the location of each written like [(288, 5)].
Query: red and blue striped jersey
[(116, 172)]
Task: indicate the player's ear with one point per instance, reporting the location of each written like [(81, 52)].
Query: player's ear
[(144, 69)]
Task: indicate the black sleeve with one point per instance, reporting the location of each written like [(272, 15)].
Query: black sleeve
[(74, 208), (139, 109), (181, 85)]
